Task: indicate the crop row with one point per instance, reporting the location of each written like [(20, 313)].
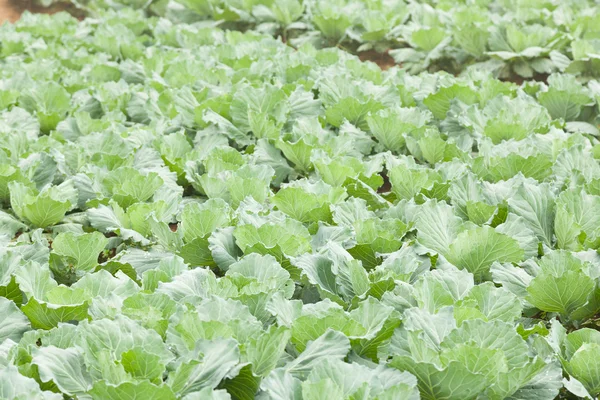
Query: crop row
[(197, 213), (510, 39)]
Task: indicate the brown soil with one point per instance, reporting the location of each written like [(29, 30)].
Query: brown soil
[(519, 80), (387, 186), (384, 60), (11, 10), (8, 12)]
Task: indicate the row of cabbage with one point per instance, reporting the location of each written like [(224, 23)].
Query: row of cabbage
[(196, 213), (508, 38)]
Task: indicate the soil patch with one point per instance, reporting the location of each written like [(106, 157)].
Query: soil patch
[(11, 10), (384, 60)]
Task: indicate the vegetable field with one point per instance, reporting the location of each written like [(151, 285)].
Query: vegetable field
[(224, 199)]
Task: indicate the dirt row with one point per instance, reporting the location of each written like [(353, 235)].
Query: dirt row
[(11, 10)]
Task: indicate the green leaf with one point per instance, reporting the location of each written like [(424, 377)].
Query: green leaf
[(439, 102), (14, 385), (256, 273), (307, 204), (563, 294), (152, 310), (406, 182), (428, 38), (535, 203), (8, 174), (10, 225), (299, 151), (216, 361), (565, 97), (280, 384), (332, 26), (389, 126), (197, 253), (454, 380), (351, 110), (129, 186), (35, 280), (12, 292), (503, 168), (15, 323), (265, 351), (331, 345), (64, 367), (475, 250), (50, 101), (309, 327), (142, 365), (243, 386), (495, 303), (437, 226), (576, 213), (289, 238), (200, 220), (82, 250), (130, 390), (45, 315), (584, 366), (375, 236), (479, 212), (41, 209), (114, 219)]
